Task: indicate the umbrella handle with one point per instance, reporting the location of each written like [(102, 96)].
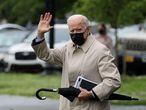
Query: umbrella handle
[(44, 90)]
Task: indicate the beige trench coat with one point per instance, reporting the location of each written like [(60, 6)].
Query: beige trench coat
[(93, 61)]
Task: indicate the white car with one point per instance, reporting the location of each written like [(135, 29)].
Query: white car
[(12, 26), (21, 57), (10, 34)]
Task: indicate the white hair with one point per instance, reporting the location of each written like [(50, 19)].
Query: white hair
[(85, 19)]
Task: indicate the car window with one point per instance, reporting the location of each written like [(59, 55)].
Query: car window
[(31, 36), (11, 37), (12, 27), (61, 35)]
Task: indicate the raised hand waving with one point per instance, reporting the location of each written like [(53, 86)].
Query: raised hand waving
[(44, 24)]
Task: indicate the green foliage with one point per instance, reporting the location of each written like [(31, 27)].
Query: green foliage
[(114, 12), (134, 12), (22, 12), (63, 7), (100, 10), (86, 7), (27, 84), (133, 86)]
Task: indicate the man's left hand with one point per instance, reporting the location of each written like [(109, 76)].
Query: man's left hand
[(84, 94)]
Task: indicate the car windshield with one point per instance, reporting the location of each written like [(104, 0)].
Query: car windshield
[(61, 35), (11, 37)]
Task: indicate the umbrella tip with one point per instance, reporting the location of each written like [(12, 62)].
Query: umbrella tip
[(135, 99), (43, 98)]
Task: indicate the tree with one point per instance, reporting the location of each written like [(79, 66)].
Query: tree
[(100, 10), (63, 7), (22, 12), (133, 13)]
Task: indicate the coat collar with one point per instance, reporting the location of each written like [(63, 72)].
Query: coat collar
[(86, 45)]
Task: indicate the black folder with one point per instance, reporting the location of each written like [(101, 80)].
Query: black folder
[(84, 83)]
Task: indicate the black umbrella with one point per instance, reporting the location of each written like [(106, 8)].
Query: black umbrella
[(72, 92)]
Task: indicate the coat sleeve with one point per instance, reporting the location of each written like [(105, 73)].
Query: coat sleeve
[(109, 73), (51, 56)]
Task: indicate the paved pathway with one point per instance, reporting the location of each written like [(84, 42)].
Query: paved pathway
[(29, 103), (26, 103)]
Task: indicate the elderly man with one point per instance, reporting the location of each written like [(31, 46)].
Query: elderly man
[(82, 56)]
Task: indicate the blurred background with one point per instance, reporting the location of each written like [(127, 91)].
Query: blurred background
[(22, 73)]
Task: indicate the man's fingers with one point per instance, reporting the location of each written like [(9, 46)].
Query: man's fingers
[(84, 94), (50, 28), (81, 97), (50, 18), (81, 94), (81, 89), (41, 17), (46, 15)]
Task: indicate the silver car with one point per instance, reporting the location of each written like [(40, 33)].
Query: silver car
[(21, 57), (10, 34)]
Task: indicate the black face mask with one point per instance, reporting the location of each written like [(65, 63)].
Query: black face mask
[(78, 38)]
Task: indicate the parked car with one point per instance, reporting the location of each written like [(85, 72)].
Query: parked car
[(131, 49), (132, 53), (10, 34), (11, 27), (22, 56), (11, 37)]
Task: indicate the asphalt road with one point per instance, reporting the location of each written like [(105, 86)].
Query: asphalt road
[(31, 103), (26, 103)]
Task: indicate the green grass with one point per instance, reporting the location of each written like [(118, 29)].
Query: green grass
[(25, 84), (133, 86)]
